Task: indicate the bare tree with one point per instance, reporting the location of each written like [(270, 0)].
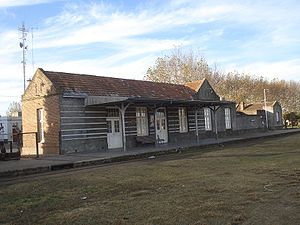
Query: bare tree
[(13, 107), (181, 67)]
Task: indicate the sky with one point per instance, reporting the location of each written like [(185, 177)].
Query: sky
[(123, 38)]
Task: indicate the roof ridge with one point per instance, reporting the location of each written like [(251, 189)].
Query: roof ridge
[(107, 86), (92, 75)]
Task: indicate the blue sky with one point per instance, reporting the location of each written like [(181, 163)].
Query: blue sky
[(123, 38)]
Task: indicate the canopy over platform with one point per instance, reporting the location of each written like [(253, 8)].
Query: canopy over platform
[(105, 100)]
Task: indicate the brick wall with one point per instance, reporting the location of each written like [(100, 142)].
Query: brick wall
[(41, 94)]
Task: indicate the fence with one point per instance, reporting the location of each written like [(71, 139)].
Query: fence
[(10, 148)]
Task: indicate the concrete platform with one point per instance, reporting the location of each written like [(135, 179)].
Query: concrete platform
[(27, 166)]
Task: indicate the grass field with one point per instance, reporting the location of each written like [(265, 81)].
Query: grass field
[(254, 183)]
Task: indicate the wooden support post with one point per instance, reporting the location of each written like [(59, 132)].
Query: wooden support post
[(155, 134), (216, 122), (37, 145), (123, 110), (215, 109), (196, 121)]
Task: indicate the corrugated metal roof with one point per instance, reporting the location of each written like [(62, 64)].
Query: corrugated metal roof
[(117, 87)]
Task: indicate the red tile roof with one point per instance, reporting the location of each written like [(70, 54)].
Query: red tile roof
[(195, 85), (108, 86)]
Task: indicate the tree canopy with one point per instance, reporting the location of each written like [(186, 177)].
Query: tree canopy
[(180, 68)]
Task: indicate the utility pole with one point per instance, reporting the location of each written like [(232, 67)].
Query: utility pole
[(266, 112), (24, 49)]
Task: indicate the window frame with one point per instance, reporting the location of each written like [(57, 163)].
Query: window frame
[(227, 112), (277, 117), (142, 126), (40, 125), (113, 112), (183, 120), (207, 119)]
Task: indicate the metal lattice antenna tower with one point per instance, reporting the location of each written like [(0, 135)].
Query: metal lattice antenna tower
[(24, 49)]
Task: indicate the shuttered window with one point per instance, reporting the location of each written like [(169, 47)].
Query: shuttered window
[(141, 121), (182, 120), (227, 118), (207, 118)]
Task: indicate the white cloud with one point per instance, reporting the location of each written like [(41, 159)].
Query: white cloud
[(135, 37), (13, 3), (135, 69), (94, 24), (7, 46), (141, 52), (285, 70)]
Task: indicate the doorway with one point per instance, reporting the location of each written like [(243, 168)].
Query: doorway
[(161, 129), (114, 134)]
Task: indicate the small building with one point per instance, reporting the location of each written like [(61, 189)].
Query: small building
[(81, 113), (253, 116), (10, 126)]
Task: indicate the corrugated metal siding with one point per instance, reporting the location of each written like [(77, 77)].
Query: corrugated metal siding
[(201, 121), (173, 120), (79, 122), (130, 121)]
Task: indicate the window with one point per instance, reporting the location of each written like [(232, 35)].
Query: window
[(227, 118), (141, 121), (40, 125), (277, 117), (117, 126), (182, 120), (207, 119), (160, 113), (113, 112), (109, 127)]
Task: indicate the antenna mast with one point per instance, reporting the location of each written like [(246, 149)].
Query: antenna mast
[(24, 48), (32, 58)]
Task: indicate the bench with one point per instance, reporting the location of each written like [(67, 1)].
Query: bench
[(145, 139), (148, 140)]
